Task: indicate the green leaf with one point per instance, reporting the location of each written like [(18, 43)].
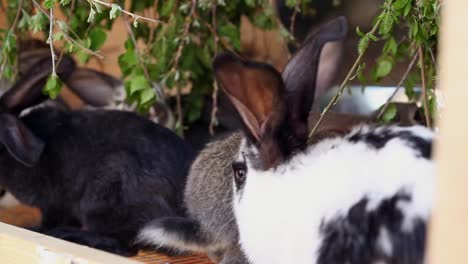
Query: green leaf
[(372, 37), (360, 73), (390, 113), (432, 106), (130, 58), (62, 25), (138, 83), (129, 44), (49, 3), (9, 44), (359, 32), (37, 22), (52, 87), (25, 20), (115, 11), (148, 95), (407, 9), (8, 72), (264, 20), (399, 4), (167, 7), (98, 37), (64, 2), (92, 14), (232, 33), (57, 36), (362, 45), (387, 24), (409, 84), (391, 46), (384, 67), (251, 3), (98, 7), (82, 56)]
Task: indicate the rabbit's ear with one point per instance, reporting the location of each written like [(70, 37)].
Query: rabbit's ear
[(301, 74), (93, 87), (27, 91), (255, 89), (20, 142)]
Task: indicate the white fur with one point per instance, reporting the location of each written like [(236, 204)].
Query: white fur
[(280, 211), (384, 242), (158, 236), (8, 201)]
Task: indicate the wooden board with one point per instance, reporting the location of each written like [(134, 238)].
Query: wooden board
[(449, 229), (18, 246)]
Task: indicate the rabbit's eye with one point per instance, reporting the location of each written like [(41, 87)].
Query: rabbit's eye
[(240, 172)]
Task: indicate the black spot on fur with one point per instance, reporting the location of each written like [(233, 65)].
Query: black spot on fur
[(379, 138), (354, 237)]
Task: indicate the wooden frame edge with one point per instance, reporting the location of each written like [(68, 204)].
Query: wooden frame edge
[(21, 246)]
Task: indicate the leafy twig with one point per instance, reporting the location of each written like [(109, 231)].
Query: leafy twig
[(135, 16), (91, 52), (159, 90), (223, 42), (335, 98), (51, 41), (214, 95), (424, 88), (65, 34), (18, 12), (187, 23), (12, 29), (399, 85), (293, 18), (132, 37)]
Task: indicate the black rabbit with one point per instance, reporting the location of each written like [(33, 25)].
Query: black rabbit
[(97, 176)]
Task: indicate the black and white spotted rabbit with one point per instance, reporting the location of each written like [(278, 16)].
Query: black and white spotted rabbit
[(361, 197)]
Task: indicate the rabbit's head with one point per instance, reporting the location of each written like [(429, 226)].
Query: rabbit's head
[(21, 143), (274, 106)]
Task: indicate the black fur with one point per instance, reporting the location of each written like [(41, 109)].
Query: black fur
[(101, 176), (378, 140), (354, 238)]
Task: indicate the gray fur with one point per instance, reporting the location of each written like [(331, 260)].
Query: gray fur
[(210, 225), (208, 196)]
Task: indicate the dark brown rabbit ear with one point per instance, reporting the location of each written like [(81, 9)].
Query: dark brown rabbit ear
[(255, 89), (20, 142), (301, 73), (93, 87), (30, 52), (27, 91)]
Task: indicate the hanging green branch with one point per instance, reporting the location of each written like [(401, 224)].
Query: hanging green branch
[(420, 19)]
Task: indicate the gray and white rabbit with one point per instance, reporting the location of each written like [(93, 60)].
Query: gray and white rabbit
[(210, 225)]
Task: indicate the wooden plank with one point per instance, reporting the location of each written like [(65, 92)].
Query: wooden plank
[(20, 246), (449, 229)]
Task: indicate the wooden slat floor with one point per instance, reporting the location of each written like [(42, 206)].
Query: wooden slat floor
[(26, 216)]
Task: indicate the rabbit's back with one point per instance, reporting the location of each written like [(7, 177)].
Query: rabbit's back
[(107, 155), (360, 198)]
